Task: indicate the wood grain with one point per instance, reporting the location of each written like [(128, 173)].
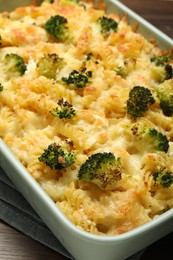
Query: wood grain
[(157, 12), (16, 246)]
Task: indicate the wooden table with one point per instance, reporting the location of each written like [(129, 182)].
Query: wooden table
[(15, 245)]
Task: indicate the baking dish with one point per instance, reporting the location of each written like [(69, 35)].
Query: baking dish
[(79, 243)]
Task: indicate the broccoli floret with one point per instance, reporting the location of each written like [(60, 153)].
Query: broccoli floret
[(45, 1), (57, 157), (160, 141), (120, 71), (1, 87), (107, 25), (139, 100), (164, 70), (78, 79), (56, 27), (48, 1), (102, 169), (64, 110), (165, 95), (73, 2), (49, 64), (161, 60), (125, 69), (89, 56), (163, 177), (168, 72), (14, 65), (150, 137), (162, 73)]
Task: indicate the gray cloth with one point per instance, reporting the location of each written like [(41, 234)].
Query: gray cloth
[(16, 211)]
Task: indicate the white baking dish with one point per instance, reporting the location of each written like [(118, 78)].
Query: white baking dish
[(80, 244)]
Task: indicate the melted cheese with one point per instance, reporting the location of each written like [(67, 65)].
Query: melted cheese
[(100, 125)]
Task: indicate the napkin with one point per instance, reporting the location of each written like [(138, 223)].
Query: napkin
[(16, 211)]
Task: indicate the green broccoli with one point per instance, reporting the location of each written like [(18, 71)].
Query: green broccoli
[(78, 79), (45, 1), (49, 1), (120, 71), (161, 60), (163, 177), (89, 56), (49, 64), (125, 69), (64, 110), (102, 169), (107, 25), (168, 72), (165, 95), (160, 141), (56, 27), (149, 137), (14, 65), (73, 2), (140, 98), (57, 157), (164, 71), (1, 87)]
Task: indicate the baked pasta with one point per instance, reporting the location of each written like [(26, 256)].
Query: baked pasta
[(86, 105)]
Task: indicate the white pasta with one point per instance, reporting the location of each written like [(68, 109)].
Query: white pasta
[(117, 63)]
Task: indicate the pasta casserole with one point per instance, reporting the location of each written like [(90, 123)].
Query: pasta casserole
[(86, 105)]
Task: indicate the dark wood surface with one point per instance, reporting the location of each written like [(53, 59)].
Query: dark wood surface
[(16, 246), (157, 12)]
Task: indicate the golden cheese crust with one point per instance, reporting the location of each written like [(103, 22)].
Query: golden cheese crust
[(101, 121)]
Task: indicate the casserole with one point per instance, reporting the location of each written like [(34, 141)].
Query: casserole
[(81, 244)]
